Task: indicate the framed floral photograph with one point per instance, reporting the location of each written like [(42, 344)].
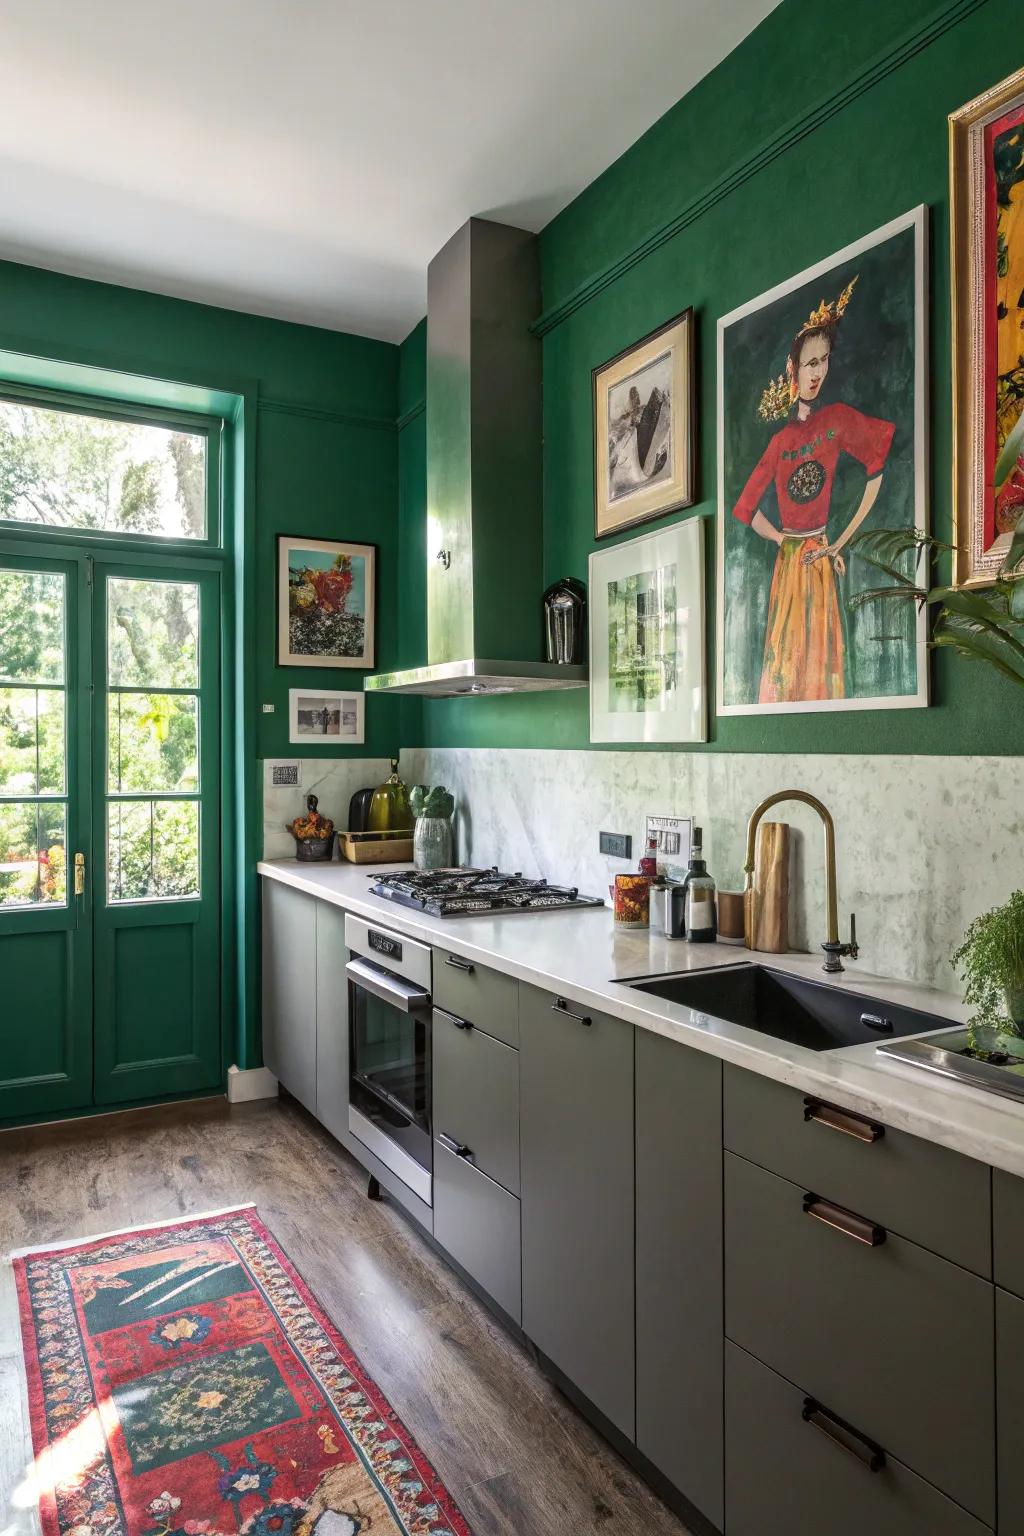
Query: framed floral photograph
[(822, 432), (328, 716), (643, 429), (325, 603), (647, 649), (986, 181)]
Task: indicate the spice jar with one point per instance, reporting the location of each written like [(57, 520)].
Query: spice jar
[(632, 901)]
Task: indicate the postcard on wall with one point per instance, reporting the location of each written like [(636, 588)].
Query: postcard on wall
[(647, 653), (330, 717), (986, 147), (325, 603), (822, 415), (643, 429)]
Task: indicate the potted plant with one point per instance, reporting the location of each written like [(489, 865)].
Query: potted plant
[(991, 965)]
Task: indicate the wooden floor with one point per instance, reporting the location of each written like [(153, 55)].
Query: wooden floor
[(514, 1453)]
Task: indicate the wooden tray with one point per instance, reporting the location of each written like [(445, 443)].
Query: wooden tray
[(376, 847)]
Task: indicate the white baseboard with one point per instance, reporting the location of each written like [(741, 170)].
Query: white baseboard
[(256, 1083)]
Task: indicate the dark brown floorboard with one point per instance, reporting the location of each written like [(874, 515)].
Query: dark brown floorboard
[(515, 1454)]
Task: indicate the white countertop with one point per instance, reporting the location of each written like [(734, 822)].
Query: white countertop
[(581, 956)]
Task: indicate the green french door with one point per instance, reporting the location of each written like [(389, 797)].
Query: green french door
[(110, 881)]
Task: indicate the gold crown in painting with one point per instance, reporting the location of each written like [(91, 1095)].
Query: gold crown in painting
[(777, 399)]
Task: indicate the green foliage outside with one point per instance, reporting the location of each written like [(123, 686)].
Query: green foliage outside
[(80, 472)]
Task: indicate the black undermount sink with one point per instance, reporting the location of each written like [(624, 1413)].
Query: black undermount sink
[(808, 1013)]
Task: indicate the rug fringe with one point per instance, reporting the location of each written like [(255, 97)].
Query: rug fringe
[(139, 1226)]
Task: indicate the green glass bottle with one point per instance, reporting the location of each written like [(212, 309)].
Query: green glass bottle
[(390, 810)]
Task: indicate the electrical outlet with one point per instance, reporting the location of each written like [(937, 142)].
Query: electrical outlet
[(618, 845), (673, 835), (268, 709)]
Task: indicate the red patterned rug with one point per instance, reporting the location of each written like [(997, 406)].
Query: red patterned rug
[(182, 1381)]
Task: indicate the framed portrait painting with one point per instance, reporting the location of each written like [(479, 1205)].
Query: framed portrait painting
[(325, 603), (330, 717), (822, 420), (647, 651), (986, 173), (643, 429)]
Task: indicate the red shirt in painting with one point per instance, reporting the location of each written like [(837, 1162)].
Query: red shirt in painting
[(801, 458)]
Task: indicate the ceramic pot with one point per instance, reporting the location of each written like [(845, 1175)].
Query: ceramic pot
[(432, 842)]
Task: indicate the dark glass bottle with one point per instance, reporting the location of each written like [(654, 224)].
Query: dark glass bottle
[(701, 922)]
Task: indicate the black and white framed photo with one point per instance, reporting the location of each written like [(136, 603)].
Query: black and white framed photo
[(643, 429), (326, 595), (329, 716)]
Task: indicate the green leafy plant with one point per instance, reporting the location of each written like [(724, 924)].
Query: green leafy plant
[(990, 962), (431, 802), (984, 625)]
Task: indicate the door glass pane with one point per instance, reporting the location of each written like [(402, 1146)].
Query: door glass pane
[(31, 625), (32, 857), (153, 742), (65, 469), (31, 741), (152, 849), (152, 634)]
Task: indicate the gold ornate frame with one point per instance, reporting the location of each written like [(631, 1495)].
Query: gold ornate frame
[(973, 565)]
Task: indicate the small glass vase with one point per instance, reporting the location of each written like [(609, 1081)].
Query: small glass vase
[(432, 842)]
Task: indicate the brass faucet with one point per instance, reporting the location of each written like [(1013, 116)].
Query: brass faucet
[(833, 946)]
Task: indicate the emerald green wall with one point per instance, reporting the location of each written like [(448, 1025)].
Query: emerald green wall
[(824, 124), (326, 449)]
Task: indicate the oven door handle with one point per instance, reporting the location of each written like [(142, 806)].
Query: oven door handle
[(400, 994)]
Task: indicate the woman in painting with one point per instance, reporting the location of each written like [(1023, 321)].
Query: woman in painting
[(804, 647)]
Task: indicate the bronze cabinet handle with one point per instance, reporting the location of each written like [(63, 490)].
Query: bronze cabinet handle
[(843, 1120), (848, 1222), (844, 1435), (453, 1018), (459, 965), (561, 1006), (458, 1148)]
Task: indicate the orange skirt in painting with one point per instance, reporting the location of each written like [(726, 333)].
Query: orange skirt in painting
[(803, 647)]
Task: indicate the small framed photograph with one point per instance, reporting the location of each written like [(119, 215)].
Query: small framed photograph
[(325, 603), (327, 716), (643, 429), (647, 652)]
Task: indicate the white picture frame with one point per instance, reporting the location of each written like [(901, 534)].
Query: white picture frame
[(735, 623), (655, 689), (341, 722)]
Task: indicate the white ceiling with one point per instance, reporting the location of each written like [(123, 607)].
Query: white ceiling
[(305, 159)]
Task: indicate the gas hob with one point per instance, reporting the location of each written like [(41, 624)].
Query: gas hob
[(466, 892)]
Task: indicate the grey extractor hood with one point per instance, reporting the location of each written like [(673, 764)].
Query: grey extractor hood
[(484, 489)]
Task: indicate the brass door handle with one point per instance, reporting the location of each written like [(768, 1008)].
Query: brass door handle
[(841, 1220), (79, 874), (843, 1120)]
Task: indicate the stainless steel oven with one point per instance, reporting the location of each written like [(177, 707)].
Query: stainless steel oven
[(389, 979)]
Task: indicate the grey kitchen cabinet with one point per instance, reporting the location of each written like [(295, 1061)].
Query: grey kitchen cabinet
[(577, 1190), (289, 989), (487, 998), (890, 1336), (1008, 1231), (476, 1096), (679, 1267), (1010, 1410), (791, 1468), (476, 1221), (332, 1045), (928, 1193)]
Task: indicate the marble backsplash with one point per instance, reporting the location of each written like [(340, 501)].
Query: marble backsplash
[(923, 843), (334, 780)]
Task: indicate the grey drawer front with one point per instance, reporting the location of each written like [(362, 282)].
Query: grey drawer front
[(1008, 1230), (783, 1477), (476, 1096), (924, 1192), (893, 1338), (487, 998), (477, 1222), (1010, 1409)]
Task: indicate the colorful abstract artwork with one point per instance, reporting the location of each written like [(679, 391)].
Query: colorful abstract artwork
[(987, 233), (182, 1381), (325, 600), (821, 433)]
